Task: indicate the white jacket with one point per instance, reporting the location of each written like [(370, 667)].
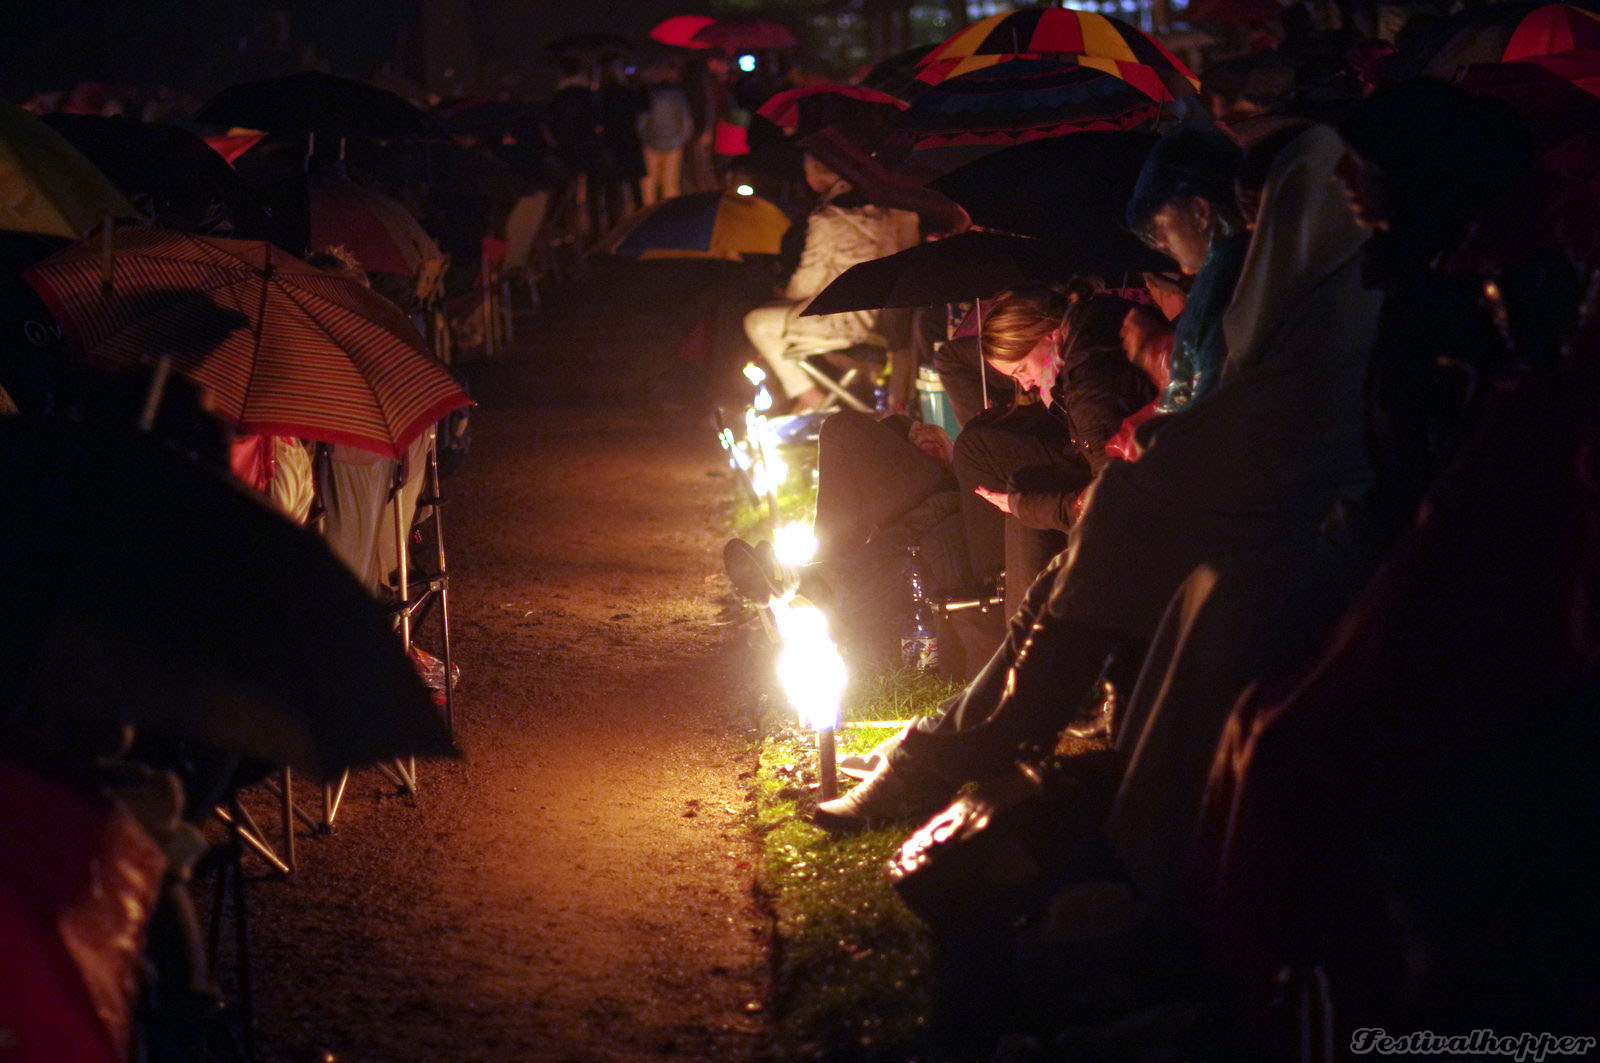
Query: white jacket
[(836, 239)]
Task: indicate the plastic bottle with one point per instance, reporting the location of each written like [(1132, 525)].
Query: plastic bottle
[(919, 641)]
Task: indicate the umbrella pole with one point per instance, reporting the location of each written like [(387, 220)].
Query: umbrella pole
[(983, 369), (153, 394)]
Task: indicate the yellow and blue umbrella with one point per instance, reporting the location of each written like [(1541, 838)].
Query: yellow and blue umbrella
[(723, 225), (47, 186)]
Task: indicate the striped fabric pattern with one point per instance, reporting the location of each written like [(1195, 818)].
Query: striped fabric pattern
[(278, 345), (701, 225), (1094, 40)]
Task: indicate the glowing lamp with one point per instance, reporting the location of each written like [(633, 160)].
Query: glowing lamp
[(755, 374), (763, 401), (813, 677), (747, 63), (745, 190), (796, 544)]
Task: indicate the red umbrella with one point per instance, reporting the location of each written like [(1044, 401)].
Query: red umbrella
[(291, 350), (1553, 28), (679, 31), (812, 107), (377, 230), (1556, 95), (745, 34)]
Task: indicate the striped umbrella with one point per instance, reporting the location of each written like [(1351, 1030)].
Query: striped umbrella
[(722, 225), (313, 354), (1099, 42)]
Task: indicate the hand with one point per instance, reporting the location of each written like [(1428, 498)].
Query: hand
[(932, 441), (998, 499)]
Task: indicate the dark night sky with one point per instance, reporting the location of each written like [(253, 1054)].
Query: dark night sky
[(55, 43)]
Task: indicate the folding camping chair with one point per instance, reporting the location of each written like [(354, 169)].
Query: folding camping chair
[(891, 339)]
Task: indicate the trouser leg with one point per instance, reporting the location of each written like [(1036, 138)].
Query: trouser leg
[(868, 474), (765, 326)]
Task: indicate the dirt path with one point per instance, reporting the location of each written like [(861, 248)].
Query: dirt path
[(579, 887)]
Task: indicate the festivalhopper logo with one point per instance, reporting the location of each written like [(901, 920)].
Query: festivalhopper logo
[(1522, 1047)]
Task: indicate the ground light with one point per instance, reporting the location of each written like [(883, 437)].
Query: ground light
[(813, 677)]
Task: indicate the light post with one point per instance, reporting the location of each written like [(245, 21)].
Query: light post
[(813, 677)]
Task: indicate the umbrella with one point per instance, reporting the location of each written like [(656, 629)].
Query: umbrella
[(702, 225), (320, 104), (316, 355), (1011, 103), (1057, 188), (890, 186), (382, 235), (49, 187), (679, 31), (969, 265), (179, 180), (897, 75), (142, 588), (487, 117), (1100, 42), (1557, 96), (1493, 33), (745, 34), (803, 111)]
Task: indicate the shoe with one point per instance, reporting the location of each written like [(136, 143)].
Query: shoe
[(885, 795), (748, 573)]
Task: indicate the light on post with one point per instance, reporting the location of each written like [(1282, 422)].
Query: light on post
[(813, 677)]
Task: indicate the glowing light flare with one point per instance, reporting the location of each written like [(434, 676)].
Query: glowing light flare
[(755, 374), (745, 190), (809, 666), (763, 401), (795, 544)]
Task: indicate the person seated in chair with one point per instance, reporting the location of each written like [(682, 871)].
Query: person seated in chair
[(841, 231)]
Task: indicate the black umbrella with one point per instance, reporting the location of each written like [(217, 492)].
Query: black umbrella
[(897, 75), (970, 265), (141, 588), (172, 175), (1071, 189), (322, 104)]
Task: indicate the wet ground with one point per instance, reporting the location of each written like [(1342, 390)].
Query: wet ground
[(578, 888)]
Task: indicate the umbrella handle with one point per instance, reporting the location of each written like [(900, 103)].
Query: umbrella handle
[(153, 394)]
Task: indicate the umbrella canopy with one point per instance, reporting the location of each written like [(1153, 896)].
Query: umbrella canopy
[(745, 34), (1058, 189), (1100, 42), (1558, 96), (313, 354), (889, 186), (382, 235), (177, 178), (322, 104), (679, 30), (144, 589), (969, 265), (897, 75), (802, 111), (701, 225), (1012, 103), (1492, 33), (47, 187)]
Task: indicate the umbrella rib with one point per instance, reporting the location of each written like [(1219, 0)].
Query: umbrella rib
[(260, 328), (293, 295)]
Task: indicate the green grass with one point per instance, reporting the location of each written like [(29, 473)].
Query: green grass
[(851, 964), (852, 976)]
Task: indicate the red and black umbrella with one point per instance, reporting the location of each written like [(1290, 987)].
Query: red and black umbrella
[(745, 35), (1099, 42)]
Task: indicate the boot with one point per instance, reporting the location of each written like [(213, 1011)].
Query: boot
[(889, 793)]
